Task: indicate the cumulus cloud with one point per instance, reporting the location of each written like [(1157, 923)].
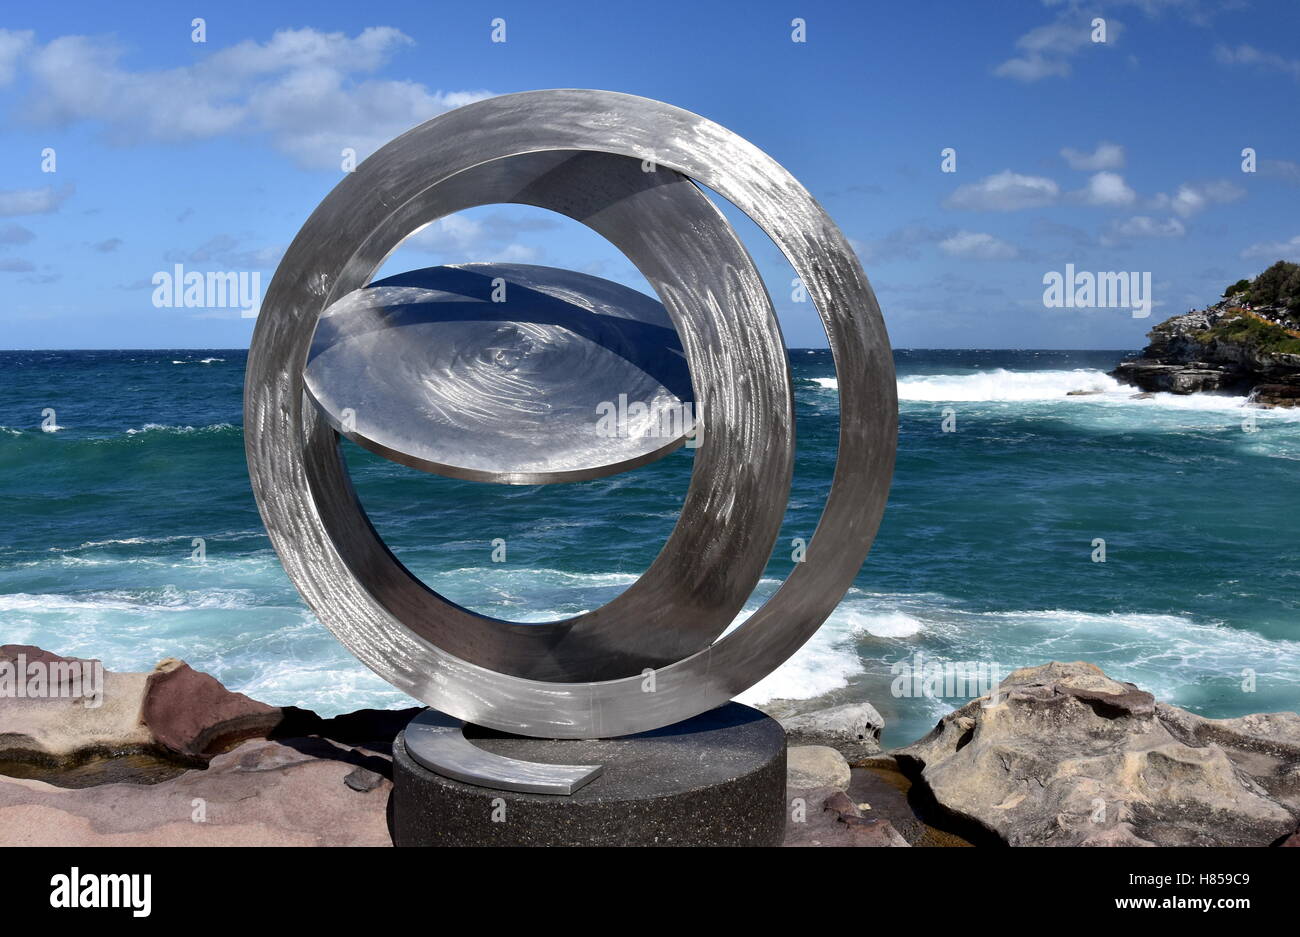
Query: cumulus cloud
[(309, 91), (1005, 191), (491, 237), (1191, 198), (1250, 56), (40, 201), (1105, 156), (1045, 51), (1108, 188), (975, 245), (1275, 250), (13, 45), (1143, 226), (15, 265)]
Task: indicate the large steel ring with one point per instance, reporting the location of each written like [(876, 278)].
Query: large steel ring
[(382, 614)]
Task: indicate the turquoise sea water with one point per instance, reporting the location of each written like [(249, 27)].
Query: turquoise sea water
[(985, 554)]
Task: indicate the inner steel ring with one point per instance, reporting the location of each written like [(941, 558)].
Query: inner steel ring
[(642, 129), (733, 508)]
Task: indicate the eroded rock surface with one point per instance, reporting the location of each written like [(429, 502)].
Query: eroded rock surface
[(1063, 755)]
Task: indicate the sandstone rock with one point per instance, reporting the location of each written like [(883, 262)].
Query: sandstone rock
[(1063, 755), (172, 712), (852, 729), (191, 713), (64, 728), (816, 766), (830, 818), (262, 793)]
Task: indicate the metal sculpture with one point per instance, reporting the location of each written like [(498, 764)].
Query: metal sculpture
[(630, 168)]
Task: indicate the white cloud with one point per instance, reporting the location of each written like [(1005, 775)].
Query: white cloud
[(1108, 188), (1250, 56), (40, 201), (901, 243), (12, 47), (1005, 191), (304, 88), (1191, 198), (1045, 51), (486, 238), (1143, 226), (1283, 169), (977, 246), (1275, 250), (1106, 156), (227, 251)]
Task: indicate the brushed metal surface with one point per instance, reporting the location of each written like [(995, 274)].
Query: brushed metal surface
[(311, 513), (707, 568), (503, 373), (438, 742)]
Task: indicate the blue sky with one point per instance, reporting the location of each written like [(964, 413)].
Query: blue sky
[(1120, 155)]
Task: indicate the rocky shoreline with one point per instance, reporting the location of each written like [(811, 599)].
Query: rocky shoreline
[(1247, 343), (1059, 755)]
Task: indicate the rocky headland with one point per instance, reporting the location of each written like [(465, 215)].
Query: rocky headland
[(1060, 754), (1247, 343)]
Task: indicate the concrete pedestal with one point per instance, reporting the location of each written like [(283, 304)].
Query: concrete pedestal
[(715, 780)]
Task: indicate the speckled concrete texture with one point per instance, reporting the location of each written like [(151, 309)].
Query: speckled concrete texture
[(717, 779)]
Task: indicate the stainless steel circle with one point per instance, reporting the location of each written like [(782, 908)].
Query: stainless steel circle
[(300, 488), (509, 373), (706, 570)]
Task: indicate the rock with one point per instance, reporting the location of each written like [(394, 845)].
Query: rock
[(363, 780), (191, 713), (1081, 393), (262, 793), (1276, 395), (853, 729), (830, 818), (816, 766), (1063, 755), (173, 712), (66, 729), (1145, 395), (1225, 348)]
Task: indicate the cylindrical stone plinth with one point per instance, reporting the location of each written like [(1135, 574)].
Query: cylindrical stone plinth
[(717, 779)]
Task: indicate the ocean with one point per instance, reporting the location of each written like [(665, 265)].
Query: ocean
[(129, 533)]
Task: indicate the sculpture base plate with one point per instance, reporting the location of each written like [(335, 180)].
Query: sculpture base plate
[(717, 779)]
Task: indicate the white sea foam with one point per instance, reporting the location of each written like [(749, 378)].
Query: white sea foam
[(999, 384), (166, 428), (1104, 393)]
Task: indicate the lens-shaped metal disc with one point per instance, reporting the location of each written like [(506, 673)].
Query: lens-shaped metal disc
[(510, 373)]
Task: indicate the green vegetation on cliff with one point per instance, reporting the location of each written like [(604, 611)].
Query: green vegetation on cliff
[(1279, 286), (1247, 329)]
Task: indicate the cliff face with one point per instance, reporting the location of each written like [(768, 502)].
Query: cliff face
[(1221, 348)]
